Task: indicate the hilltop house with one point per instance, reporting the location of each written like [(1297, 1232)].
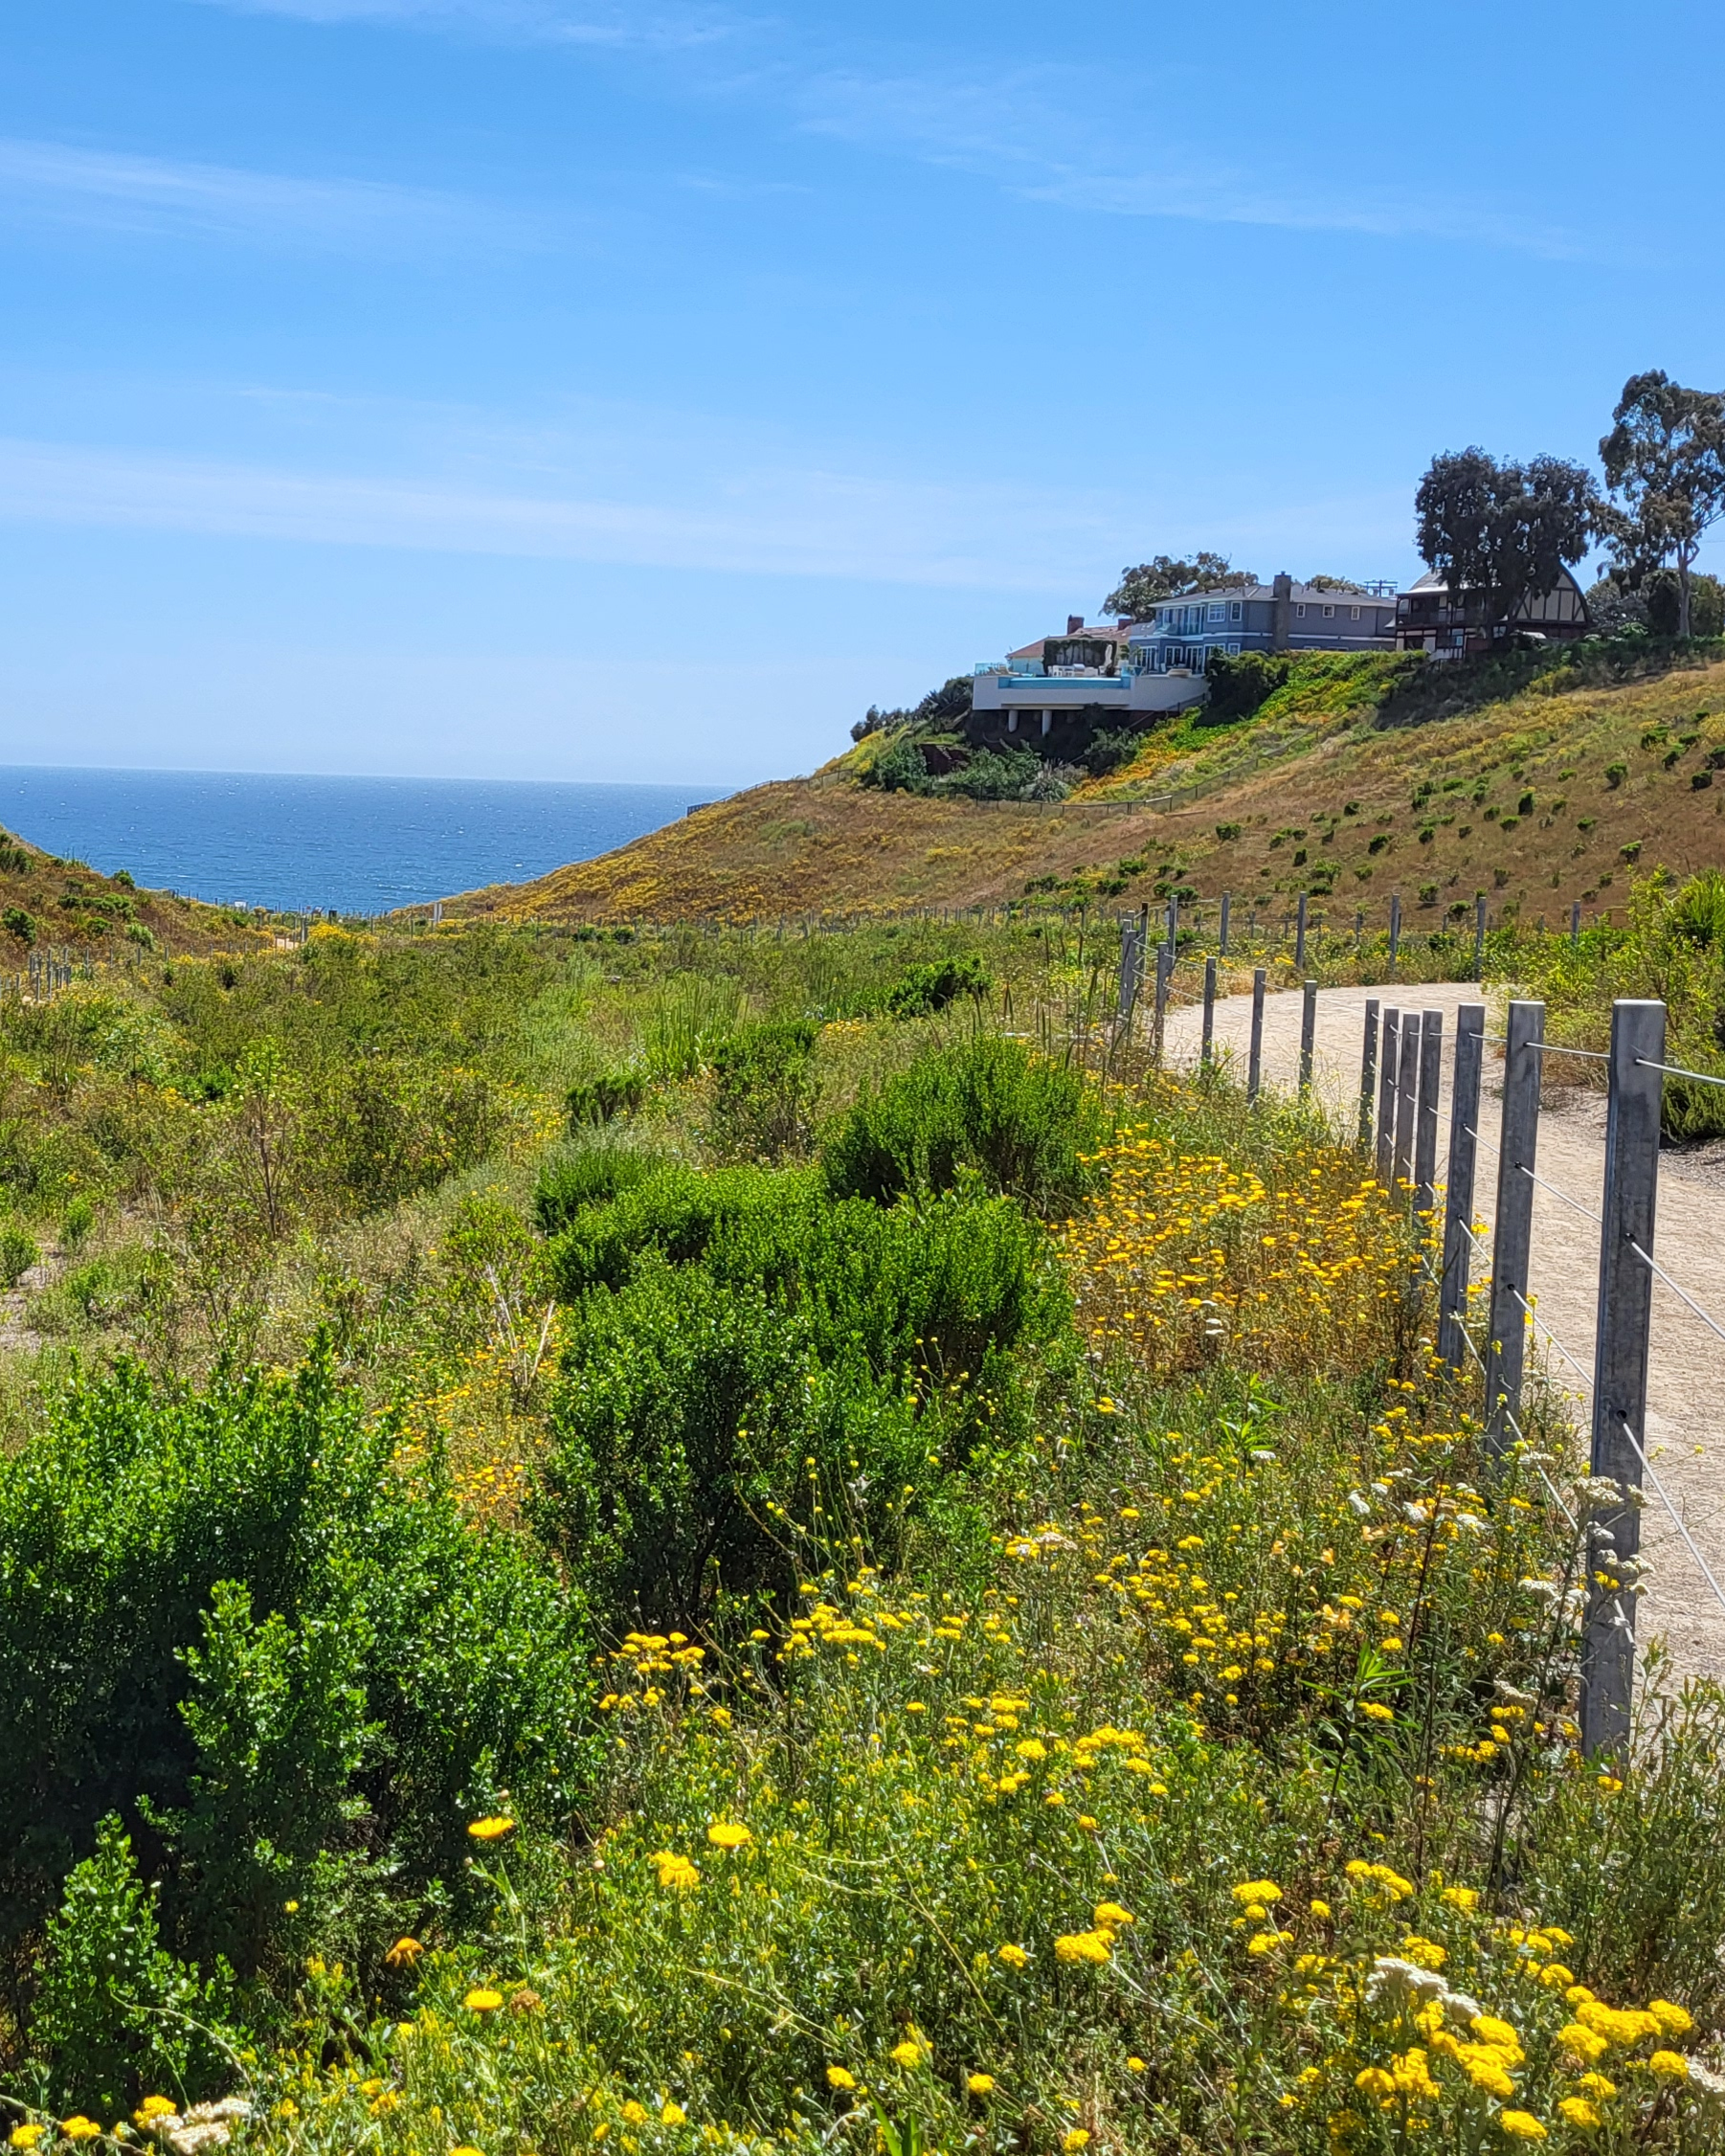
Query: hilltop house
[(1055, 693), (1428, 619), (1182, 633)]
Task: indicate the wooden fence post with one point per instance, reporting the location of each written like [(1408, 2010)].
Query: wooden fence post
[(1131, 962), (1368, 1072), (1620, 1366), (1308, 1023), (1425, 1127), (1164, 969), (1386, 1095), (1512, 1235), (1300, 938), (1407, 1099), (1394, 927), (1457, 1204), (1575, 921), (1209, 1026), (1254, 1069), (1227, 901)]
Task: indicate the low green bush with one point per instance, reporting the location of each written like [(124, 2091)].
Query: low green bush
[(590, 1175), (603, 1099), (236, 1621), (19, 922), (763, 1092), (1020, 1122), (922, 991), (18, 1252)]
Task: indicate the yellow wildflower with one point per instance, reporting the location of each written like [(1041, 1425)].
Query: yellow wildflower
[(1424, 1953), (1015, 1957), (908, 2054), (1111, 1916), (840, 2077), (728, 1835), (1670, 2066), (27, 2136), (1261, 1892), (482, 2000), (673, 2115), (1521, 2125), (1372, 2081), (490, 1829), (676, 1874), (155, 2107), (1577, 2111), (404, 1953), (979, 2084), (1672, 2020), (80, 2128), (1582, 2043), (1091, 1946), (1074, 2141)]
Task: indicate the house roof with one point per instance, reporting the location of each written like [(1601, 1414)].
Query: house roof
[(1099, 632), (1433, 581), (1307, 594)]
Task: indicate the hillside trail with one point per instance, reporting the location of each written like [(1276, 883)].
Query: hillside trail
[(1686, 1387)]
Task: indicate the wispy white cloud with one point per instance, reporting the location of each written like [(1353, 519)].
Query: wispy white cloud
[(120, 192), (746, 516), (1053, 135), (554, 22)]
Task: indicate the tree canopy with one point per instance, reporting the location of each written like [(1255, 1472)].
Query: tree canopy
[(1166, 578), (1506, 530), (1664, 460)]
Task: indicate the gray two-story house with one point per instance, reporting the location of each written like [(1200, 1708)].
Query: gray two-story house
[(1182, 633)]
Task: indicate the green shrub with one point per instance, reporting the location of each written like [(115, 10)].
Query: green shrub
[(115, 2015), (674, 1212), (694, 1429), (1698, 910), (18, 1252), (899, 768), (1241, 684), (923, 990), (77, 1222), (1022, 1124), (590, 1175), (235, 1615), (603, 1099), (17, 922), (763, 1092)]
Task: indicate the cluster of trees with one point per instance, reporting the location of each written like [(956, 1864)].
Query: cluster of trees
[(1167, 578), (1506, 529)]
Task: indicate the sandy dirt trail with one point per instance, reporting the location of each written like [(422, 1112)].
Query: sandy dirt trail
[(1686, 1389)]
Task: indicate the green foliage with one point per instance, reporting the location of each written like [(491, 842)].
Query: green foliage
[(18, 1252), (925, 990), (603, 1099), (1240, 683), (1165, 577), (233, 1611), (899, 768), (19, 922), (115, 2015), (1108, 752), (589, 1175), (763, 1092), (1020, 1122)]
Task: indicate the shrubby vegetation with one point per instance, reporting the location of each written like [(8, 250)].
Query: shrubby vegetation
[(900, 1587)]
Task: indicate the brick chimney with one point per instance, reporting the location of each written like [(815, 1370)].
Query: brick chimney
[(1074, 624), (1281, 611)]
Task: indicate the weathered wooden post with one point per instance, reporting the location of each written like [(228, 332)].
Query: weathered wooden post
[(1164, 971), (1407, 1098), (1425, 1126), (1575, 921), (1254, 1069), (1308, 1026), (1300, 938), (1386, 1095), (1512, 1234), (1620, 1366), (1368, 1072), (1479, 937), (1227, 903), (1457, 1204), (1394, 927), (1209, 1026), (1131, 962)]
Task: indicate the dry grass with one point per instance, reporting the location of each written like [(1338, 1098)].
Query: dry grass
[(823, 844)]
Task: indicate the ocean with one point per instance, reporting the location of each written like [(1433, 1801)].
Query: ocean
[(357, 845)]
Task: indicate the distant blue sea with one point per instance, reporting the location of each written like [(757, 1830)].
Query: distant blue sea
[(360, 846)]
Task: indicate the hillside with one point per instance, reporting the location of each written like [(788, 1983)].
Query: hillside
[(50, 903), (1340, 786)]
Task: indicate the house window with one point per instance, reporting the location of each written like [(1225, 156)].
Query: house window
[(1216, 614), (1330, 614), (1300, 611), (1234, 647), (1234, 613), (1354, 613)]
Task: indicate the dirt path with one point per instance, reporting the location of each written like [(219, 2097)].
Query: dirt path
[(1686, 1388)]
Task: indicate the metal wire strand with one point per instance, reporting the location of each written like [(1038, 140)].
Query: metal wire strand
[(1552, 1048), (1676, 1521), (1574, 1203), (1682, 1295), (1676, 1070), (1552, 1337)]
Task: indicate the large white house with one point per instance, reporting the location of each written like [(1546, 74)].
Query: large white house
[(1090, 676)]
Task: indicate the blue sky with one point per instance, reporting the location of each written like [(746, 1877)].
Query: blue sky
[(554, 389)]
